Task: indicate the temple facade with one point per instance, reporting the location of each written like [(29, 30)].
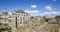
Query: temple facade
[(20, 17)]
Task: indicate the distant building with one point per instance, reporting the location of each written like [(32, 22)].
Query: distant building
[(4, 17)]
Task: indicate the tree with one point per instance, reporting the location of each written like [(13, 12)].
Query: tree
[(9, 29), (57, 19), (47, 19)]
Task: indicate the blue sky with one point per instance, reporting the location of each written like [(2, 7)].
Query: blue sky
[(34, 7)]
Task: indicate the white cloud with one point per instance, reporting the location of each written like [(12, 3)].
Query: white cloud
[(54, 0), (10, 13), (32, 11), (52, 12), (48, 7), (33, 6)]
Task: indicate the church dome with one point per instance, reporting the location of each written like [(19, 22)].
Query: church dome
[(4, 12)]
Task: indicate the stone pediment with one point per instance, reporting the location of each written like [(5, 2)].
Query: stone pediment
[(20, 11)]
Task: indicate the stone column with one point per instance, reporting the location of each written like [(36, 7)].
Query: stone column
[(22, 20), (19, 21), (14, 23), (30, 22)]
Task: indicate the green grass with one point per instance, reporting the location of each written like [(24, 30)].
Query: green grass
[(24, 27), (35, 25), (28, 27), (5, 29)]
